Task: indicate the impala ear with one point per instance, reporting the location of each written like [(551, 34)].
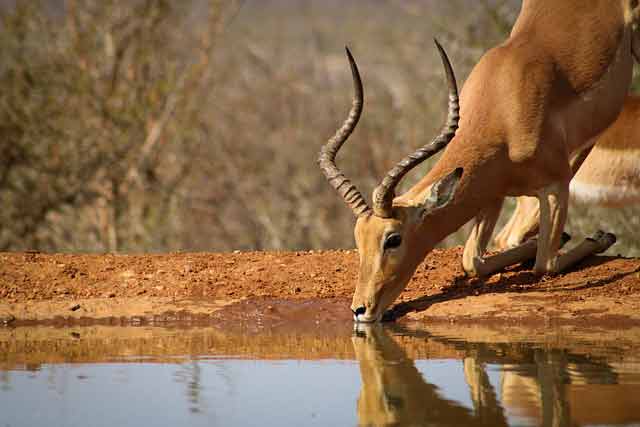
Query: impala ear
[(442, 192)]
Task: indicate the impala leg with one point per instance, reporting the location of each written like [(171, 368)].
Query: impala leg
[(553, 214), (596, 244), (483, 394), (554, 201), (500, 241), (523, 252), (522, 224), (524, 221), (478, 240)]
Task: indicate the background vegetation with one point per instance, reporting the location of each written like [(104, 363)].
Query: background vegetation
[(156, 125)]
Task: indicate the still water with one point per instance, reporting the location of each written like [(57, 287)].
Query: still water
[(376, 376)]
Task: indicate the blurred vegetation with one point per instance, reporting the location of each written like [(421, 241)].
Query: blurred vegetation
[(155, 125)]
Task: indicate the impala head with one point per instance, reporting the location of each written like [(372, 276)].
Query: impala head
[(390, 238)]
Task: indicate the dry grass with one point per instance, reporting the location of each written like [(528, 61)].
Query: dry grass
[(156, 125)]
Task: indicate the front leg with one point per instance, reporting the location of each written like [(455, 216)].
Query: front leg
[(554, 203), (478, 240), (522, 224), (524, 220)]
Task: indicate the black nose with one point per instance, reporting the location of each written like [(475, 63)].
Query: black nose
[(360, 310)]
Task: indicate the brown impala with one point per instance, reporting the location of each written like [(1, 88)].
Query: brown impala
[(527, 107), (608, 174)]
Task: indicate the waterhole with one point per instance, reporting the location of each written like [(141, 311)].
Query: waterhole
[(324, 376)]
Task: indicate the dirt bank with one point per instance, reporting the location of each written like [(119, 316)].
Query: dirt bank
[(258, 288)]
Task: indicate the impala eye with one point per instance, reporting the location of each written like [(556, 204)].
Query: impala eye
[(392, 241)]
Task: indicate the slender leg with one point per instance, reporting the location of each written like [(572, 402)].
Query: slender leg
[(596, 244), (478, 240), (554, 201), (500, 241), (522, 224), (523, 252), (526, 251)]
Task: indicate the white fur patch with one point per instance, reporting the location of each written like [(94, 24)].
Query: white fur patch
[(603, 194)]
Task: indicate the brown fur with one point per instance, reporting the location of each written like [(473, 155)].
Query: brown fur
[(394, 392), (608, 176), (615, 159), (527, 107)]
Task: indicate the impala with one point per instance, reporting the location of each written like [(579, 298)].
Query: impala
[(559, 80), (394, 392), (608, 174)]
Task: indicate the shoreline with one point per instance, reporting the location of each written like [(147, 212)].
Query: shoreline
[(314, 286)]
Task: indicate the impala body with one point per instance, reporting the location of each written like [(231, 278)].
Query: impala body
[(608, 174), (527, 107)]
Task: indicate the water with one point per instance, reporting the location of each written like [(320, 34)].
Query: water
[(397, 375)]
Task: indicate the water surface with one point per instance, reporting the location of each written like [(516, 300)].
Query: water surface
[(397, 375)]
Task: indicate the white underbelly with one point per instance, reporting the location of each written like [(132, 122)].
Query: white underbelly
[(608, 177)]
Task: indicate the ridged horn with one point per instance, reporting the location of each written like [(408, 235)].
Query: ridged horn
[(383, 194), (326, 159)]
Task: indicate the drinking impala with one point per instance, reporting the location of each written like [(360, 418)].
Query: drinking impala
[(527, 107)]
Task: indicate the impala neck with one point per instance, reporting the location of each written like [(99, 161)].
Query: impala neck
[(447, 220), (477, 188)]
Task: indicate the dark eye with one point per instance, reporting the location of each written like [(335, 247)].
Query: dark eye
[(392, 241)]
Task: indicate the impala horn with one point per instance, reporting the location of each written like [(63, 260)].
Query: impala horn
[(327, 157), (383, 194)]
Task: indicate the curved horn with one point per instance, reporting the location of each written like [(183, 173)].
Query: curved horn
[(327, 157), (383, 194)]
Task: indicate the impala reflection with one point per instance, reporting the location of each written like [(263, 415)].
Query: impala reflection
[(394, 392)]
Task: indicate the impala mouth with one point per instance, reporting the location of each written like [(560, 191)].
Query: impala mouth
[(364, 318), (375, 312), (371, 315)]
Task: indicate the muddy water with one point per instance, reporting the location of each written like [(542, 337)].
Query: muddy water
[(323, 375)]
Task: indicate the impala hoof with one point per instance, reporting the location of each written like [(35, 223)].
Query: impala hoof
[(603, 240), (479, 268)]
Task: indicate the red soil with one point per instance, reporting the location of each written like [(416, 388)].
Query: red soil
[(282, 286)]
